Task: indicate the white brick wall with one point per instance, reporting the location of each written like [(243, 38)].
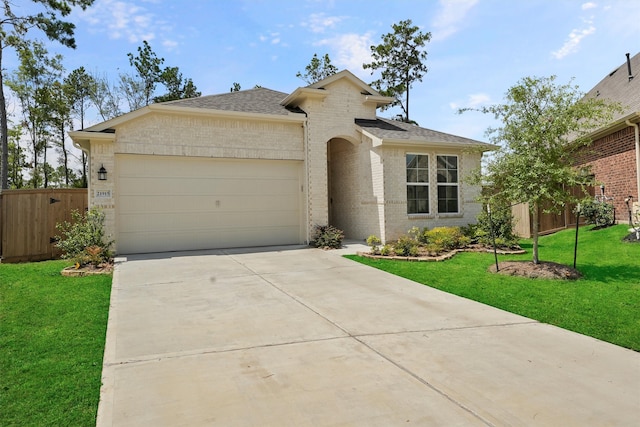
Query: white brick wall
[(368, 184)]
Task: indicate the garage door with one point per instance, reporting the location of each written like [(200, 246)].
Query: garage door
[(167, 203)]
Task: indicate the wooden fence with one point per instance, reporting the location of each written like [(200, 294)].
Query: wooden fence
[(547, 222), (28, 221)]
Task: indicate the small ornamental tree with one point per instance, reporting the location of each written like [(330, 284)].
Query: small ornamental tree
[(543, 125)]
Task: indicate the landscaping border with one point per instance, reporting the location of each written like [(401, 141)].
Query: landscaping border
[(442, 257)]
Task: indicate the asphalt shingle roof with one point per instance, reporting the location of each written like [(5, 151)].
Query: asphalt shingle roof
[(617, 87), (395, 130), (258, 100)]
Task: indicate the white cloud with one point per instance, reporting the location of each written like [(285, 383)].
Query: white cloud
[(170, 44), (121, 19), (589, 5), (319, 22), (449, 18), (573, 41), (351, 51), (475, 100)]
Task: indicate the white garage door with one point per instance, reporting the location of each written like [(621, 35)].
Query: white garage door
[(167, 203)]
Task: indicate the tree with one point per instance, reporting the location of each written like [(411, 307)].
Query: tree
[(13, 31), (147, 65), (177, 87), (105, 97), (77, 89), (133, 91), (32, 84), (400, 58), (543, 125), (318, 69), (235, 87)]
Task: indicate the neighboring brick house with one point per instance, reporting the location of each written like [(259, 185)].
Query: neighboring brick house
[(614, 156), (261, 167)]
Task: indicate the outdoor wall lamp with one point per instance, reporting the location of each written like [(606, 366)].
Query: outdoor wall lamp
[(102, 173)]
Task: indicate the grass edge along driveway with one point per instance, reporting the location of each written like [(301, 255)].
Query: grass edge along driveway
[(52, 336), (604, 304)]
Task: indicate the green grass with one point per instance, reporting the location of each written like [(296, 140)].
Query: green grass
[(52, 334), (604, 304)]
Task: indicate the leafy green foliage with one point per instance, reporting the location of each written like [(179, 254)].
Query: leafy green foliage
[(400, 58), (447, 238), (406, 246), (327, 236), (147, 66), (543, 125), (603, 304), (13, 33), (374, 242), (83, 240), (601, 214), (318, 69), (52, 332), (502, 224)]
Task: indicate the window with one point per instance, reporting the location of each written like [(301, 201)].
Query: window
[(448, 184), (417, 184)]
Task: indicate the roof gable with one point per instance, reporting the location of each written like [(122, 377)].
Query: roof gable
[(618, 87)]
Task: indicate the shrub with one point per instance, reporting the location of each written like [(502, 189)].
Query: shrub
[(83, 240), (327, 236), (446, 237), (404, 245), (374, 241), (386, 250), (601, 214), (502, 222)]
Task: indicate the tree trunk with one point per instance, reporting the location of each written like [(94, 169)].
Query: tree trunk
[(534, 233), (4, 132), (65, 155)]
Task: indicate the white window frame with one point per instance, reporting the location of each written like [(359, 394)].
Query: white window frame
[(448, 184), (419, 184)]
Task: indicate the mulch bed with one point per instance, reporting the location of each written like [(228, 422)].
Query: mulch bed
[(542, 270)]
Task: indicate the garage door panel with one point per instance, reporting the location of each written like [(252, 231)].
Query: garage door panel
[(178, 203), (208, 204)]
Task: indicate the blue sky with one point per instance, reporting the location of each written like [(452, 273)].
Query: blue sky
[(479, 48)]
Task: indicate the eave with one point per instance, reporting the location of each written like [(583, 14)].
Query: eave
[(614, 126)]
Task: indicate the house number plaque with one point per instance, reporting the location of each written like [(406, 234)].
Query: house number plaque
[(103, 194)]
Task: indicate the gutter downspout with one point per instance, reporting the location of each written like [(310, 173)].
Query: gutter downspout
[(637, 135)]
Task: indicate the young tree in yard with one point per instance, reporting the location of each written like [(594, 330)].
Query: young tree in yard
[(13, 31), (543, 124), (400, 58), (318, 69)]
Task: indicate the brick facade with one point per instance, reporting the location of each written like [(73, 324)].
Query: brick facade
[(612, 160)]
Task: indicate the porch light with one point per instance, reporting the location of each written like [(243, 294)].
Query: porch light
[(102, 173)]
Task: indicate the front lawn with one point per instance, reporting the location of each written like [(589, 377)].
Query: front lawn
[(52, 334), (604, 304)]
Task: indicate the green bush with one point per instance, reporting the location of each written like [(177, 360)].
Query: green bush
[(374, 241), (386, 250), (446, 237), (406, 246), (327, 236), (502, 221), (83, 240), (601, 214)]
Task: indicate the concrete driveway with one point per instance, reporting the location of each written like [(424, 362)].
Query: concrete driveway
[(295, 336)]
